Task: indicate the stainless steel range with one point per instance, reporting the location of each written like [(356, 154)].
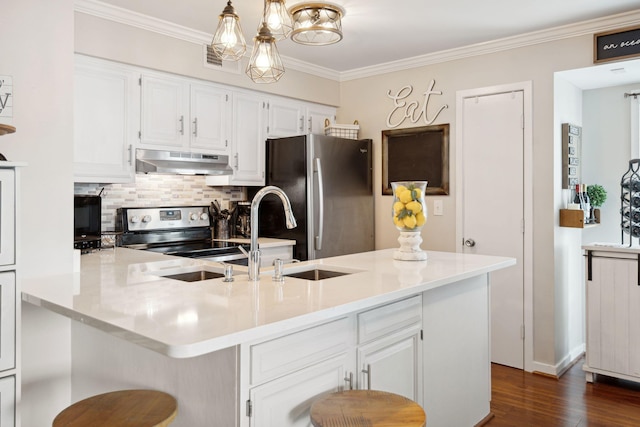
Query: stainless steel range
[(181, 231)]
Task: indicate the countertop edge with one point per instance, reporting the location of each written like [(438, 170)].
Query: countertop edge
[(286, 325)]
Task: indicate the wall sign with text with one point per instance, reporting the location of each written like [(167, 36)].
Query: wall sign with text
[(618, 44), (6, 96), (414, 110)]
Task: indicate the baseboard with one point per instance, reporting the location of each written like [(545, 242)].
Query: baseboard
[(485, 420), (561, 367)]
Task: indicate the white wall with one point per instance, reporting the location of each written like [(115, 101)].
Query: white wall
[(36, 49), (606, 153), (365, 99), (569, 276)]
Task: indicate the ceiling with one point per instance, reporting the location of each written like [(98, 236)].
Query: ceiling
[(381, 31)]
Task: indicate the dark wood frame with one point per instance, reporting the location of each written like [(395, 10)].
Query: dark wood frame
[(614, 37), (432, 155)]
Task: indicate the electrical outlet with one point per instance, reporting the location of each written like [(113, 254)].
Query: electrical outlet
[(437, 207)]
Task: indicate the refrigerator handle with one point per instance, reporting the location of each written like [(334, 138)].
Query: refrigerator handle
[(318, 237)]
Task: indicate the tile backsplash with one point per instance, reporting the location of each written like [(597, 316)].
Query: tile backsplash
[(157, 190)]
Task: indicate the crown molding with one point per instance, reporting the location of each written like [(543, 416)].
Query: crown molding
[(124, 16), (522, 40), (134, 19)]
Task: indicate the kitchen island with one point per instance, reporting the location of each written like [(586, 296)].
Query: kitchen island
[(257, 354)]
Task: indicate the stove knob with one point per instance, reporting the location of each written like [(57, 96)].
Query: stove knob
[(135, 219), (204, 216), (193, 216), (146, 218)]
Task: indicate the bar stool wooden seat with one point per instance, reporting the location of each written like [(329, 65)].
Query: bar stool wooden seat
[(369, 408), (124, 408)]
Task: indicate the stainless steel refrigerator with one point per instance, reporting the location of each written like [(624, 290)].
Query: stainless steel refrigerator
[(330, 184)]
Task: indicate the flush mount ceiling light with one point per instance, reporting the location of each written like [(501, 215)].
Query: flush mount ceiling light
[(316, 23), (228, 41), (265, 65)]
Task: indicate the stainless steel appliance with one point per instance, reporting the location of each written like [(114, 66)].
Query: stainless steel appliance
[(179, 162), (181, 231), (242, 220), (329, 183), (87, 228)]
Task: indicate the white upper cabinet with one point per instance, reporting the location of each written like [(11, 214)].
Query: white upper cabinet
[(286, 118), (180, 114), (249, 135), (289, 117), (316, 116), (209, 118), (106, 120)]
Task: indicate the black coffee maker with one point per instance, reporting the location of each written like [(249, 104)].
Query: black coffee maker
[(242, 220)]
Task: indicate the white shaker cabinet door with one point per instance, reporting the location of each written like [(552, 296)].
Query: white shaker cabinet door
[(7, 320), (286, 118), (316, 117), (8, 401), (209, 119), (393, 364), (165, 113), (249, 135), (287, 400), (107, 117), (7, 217), (613, 318)]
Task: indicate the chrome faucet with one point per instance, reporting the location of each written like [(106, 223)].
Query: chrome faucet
[(254, 254)]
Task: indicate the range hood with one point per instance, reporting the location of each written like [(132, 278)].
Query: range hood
[(181, 163)]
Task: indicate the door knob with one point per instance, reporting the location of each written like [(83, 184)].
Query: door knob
[(469, 243)]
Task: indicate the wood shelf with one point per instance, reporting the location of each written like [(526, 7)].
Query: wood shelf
[(5, 129), (575, 218)]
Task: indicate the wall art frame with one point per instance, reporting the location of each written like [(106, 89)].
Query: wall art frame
[(416, 154)]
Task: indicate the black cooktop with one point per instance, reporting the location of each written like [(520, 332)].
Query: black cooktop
[(199, 249)]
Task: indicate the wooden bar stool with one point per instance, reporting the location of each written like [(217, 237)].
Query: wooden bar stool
[(370, 408), (124, 408)]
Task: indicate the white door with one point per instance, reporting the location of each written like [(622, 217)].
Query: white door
[(492, 144)]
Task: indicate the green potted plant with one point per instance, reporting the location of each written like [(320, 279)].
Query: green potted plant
[(597, 196)]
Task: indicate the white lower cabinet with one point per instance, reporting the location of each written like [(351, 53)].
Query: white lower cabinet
[(8, 401), (613, 318), (286, 401), (393, 364), (379, 349)]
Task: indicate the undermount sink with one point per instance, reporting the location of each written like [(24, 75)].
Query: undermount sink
[(317, 272), (194, 276)]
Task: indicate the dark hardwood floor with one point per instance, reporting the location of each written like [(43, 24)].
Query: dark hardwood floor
[(521, 399)]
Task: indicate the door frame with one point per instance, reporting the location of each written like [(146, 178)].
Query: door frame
[(527, 88)]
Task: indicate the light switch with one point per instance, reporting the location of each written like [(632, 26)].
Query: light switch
[(437, 207)]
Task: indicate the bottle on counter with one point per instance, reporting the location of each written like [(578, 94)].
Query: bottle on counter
[(628, 228), (631, 184), (633, 213), (632, 199)]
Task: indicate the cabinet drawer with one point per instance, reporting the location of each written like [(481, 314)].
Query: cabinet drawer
[(272, 359), (389, 318)]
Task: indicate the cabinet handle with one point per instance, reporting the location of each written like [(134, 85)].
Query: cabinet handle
[(368, 373), (301, 123), (181, 125), (349, 379), (195, 127), (236, 157), (130, 154), (310, 124)]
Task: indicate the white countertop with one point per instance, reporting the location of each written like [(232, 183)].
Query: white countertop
[(119, 291), (612, 247)]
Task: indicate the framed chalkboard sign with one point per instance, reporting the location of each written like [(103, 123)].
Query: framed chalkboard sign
[(618, 44), (416, 154)]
